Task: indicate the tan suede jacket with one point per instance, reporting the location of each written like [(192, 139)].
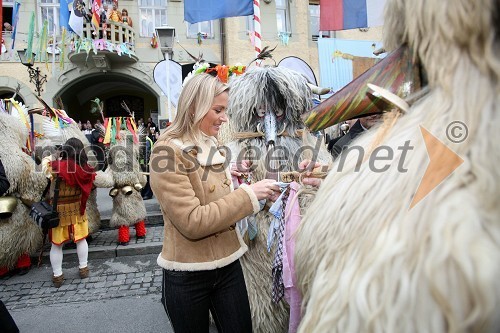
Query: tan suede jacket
[(199, 206)]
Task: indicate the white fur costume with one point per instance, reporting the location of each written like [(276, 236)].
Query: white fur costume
[(124, 170), (286, 93), (18, 234), (365, 261)]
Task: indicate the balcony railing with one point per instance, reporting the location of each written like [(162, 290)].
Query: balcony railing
[(113, 40), (116, 33)]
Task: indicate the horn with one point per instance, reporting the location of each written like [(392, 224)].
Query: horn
[(397, 72), (282, 130), (259, 129), (318, 90)]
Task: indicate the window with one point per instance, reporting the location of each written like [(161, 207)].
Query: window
[(314, 11), (283, 16), (205, 28), (7, 9), (153, 13), (49, 10)]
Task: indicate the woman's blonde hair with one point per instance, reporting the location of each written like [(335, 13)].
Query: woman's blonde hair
[(196, 99)]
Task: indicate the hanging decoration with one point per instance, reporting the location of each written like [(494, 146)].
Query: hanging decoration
[(15, 19), (284, 37), (31, 31), (113, 125), (63, 48), (154, 41), (42, 42), (94, 45)]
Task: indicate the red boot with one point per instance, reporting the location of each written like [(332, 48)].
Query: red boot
[(140, 229), (123, 235), (3, 271), (23, 264)]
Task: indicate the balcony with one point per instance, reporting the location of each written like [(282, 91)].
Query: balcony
[(114, 46)]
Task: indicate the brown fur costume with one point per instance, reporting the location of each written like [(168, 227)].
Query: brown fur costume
[(366, 262)]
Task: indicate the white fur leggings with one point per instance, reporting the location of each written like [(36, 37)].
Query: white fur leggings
[(56, 256)]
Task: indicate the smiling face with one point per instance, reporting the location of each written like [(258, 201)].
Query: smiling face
[(210, 124)]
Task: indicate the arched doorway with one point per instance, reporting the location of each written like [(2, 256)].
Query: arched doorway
[(112, 88)]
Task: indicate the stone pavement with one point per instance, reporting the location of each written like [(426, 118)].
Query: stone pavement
[(116, 271)]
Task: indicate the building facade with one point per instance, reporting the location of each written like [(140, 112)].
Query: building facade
[(119, 65)]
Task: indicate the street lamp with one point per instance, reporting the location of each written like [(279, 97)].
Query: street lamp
[(166, 37), (35, 77)]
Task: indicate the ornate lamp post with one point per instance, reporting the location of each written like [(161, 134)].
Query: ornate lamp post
[(35, 76)]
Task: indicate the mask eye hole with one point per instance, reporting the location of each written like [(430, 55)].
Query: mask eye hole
[(279, 113), (261, 112)]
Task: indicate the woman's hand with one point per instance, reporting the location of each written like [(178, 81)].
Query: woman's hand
[(265, 189), (306, 166), (241, 167)]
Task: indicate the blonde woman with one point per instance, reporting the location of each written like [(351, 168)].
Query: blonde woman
[(201, 247)]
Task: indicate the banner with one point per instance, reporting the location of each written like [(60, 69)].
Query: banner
[(350, 14), (64, 14), (76, 17), (96, 14), (205, 10)]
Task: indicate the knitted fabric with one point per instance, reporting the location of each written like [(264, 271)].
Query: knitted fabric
[(140, 229), (123, 234)]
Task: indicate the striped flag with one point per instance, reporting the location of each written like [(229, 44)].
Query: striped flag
[(350, 14), (205, 10), (96, 14)]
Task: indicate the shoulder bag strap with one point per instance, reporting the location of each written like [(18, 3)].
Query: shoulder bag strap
[(56, 194)]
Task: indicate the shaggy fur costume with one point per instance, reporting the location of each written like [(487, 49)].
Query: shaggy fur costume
[(368, 263), (286, 93), (124, 170), (18, 234)]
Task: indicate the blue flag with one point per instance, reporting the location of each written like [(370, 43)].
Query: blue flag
[(206, 10), (63, 14)]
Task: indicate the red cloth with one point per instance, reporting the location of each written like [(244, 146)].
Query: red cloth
[(76, 176)]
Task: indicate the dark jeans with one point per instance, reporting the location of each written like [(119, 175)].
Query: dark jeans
[(188, 296)]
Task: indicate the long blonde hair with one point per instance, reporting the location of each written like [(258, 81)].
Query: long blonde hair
[(195, 101)]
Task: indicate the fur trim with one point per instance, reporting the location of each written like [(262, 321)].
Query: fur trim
[(253, 197), (201, 266)]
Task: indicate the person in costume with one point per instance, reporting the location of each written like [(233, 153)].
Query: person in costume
[(76, 182), (20, 237), (201, 248), (264, 116), (416, 247), (125, 178)]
